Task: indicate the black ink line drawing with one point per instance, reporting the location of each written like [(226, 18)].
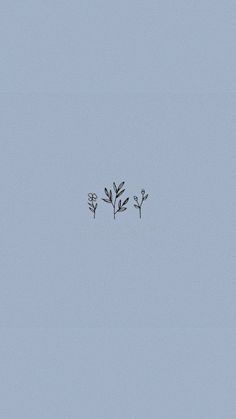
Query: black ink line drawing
[(139, 206), (92, 198), (118, 192)]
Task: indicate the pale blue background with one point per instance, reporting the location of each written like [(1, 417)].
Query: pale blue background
[(124, 319)]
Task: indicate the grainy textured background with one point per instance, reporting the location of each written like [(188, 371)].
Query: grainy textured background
[(117, 319)]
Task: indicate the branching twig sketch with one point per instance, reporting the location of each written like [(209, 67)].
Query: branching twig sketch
[(118, 191), (92, 197), (139, 205)]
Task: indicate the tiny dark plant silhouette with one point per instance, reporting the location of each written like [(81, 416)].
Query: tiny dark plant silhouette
[(139, 205), (118, 191), (92, 198)]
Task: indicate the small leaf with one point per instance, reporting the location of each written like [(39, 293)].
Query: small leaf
[(146, 196), (95, 206), (122, 209), (106, 192), (121, 185), (136, 206), (106, 200), (91, 209), (119, 204), (114, 187), (90, 205), (125, 202), (120, 193), (110, 195)]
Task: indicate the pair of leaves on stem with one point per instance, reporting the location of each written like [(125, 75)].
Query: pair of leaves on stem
[(121, 206), (92, 207)]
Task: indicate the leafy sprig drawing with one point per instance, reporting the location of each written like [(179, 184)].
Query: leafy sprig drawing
[(92, 198), (112, 198), (139, 205)]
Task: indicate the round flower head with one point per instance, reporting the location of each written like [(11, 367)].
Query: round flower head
[(92, 196), (135, 198), (143, 192)]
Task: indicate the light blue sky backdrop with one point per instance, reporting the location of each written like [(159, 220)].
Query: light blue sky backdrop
[(93, 92)]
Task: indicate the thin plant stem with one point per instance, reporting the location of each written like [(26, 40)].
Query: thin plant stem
[(114, 209), (139, 205), (140, 208), (92, 200), (94, 211)]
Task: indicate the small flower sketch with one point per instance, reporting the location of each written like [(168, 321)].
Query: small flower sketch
[(112, 199), (139, 205), (92, 198)]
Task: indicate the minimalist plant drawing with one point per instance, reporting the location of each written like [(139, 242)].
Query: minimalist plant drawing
[(112, 198), (92, 198), (139, 205)]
